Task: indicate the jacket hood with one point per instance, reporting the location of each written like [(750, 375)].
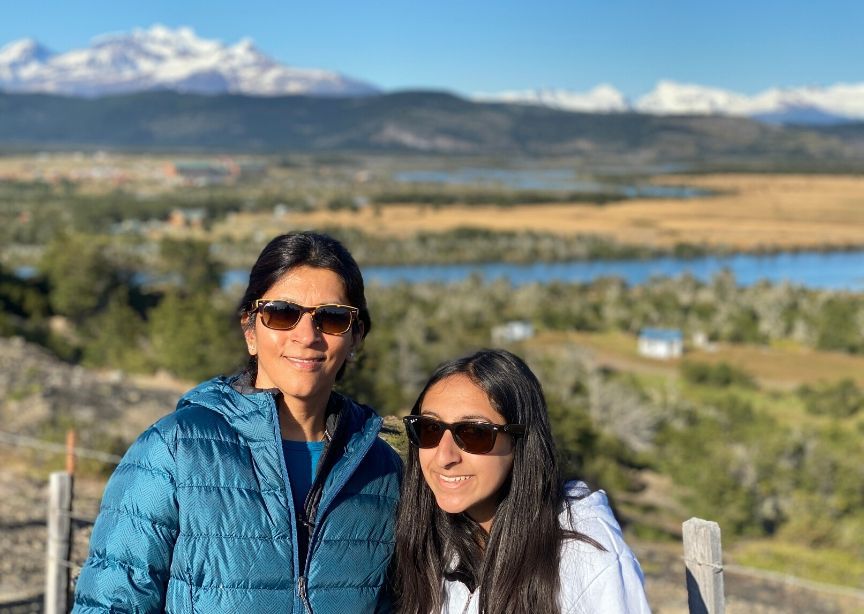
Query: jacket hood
[(251, 413)]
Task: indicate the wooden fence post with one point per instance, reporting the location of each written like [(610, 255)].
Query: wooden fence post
[(70, 451), (703, 560), (57, 556)]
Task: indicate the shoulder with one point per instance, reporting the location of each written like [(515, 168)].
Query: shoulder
[(590, 575), (366, 423), (589, 513), (386, 455), (216, 395), (202, 411)]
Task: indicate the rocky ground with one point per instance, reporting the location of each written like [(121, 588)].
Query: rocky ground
[(40, 397)]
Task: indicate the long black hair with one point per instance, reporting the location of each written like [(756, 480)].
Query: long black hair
[(303, 248), (516, 564)]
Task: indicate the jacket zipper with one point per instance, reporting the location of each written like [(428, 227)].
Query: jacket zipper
[(301, 588), (313, 499), (301, 580), (361, 454), (307, 516)]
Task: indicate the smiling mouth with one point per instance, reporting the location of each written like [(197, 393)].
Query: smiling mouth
[(455, 479), (306, 363)]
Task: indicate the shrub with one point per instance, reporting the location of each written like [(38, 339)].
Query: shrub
[(839, 400), (720, 375)]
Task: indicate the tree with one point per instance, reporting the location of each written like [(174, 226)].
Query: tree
[(80, 275), (838, 325), (192, 260), (194, 337), (116, 337)]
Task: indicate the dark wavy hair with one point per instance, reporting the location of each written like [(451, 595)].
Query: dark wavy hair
[(303, 248), (516, 564)]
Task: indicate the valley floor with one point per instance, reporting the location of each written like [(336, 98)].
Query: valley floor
[(748, 213)]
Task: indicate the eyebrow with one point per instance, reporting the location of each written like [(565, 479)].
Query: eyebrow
[(470, 417), (292, 300)]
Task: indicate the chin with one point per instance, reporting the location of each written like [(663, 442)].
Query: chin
[(451, 507)]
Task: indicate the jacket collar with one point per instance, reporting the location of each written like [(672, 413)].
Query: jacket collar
[(250, 412)]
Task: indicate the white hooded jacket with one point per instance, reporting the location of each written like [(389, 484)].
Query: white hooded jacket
[(609, 582)]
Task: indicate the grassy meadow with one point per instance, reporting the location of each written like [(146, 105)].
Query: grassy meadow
[(748, 213)]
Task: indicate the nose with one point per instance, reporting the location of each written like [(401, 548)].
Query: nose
[(447, 453), (305, 332)]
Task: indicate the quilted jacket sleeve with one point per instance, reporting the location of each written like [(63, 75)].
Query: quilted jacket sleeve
[(128, 565)]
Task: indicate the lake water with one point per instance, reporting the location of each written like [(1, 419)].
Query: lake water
[(545, 180), (825, 270)]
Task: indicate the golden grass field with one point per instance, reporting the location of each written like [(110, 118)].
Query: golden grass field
[(753, 212)]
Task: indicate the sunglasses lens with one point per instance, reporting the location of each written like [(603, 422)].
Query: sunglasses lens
[(423, 432), (475, 438), (280, 315), (333, 319)]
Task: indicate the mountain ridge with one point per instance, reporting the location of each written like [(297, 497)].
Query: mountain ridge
[(434, 123)]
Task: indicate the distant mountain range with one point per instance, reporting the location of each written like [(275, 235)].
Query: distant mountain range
[(417, 122), (161, 58), (803, 105)]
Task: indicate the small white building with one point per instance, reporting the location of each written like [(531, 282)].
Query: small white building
[(509, 332), (661, 343)]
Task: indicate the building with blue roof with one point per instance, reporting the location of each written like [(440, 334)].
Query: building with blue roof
[(661, 343)]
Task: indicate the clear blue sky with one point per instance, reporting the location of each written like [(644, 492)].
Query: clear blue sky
[(492, 45)]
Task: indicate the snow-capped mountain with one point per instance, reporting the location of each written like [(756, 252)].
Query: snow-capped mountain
[(836, 103), (163, 58), (840, 101), (21, 58), (601, 99)]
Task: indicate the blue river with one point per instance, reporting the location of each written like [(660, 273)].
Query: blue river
[(825, 270)]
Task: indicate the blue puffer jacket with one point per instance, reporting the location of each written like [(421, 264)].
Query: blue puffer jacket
[(198, 516)]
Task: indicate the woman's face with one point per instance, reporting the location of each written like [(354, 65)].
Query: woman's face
[(463, 482), (302, 362)]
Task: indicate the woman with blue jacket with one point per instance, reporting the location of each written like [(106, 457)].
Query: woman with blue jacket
[(267, 491)]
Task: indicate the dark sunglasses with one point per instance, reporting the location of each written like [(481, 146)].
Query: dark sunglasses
[(472, 437), (285, 315)]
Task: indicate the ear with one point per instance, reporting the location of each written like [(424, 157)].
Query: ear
[(249, 334), (357, 334)]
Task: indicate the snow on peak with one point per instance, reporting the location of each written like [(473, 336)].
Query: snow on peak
[(601, 99), (670, 97), (164, 58), (21, 58), (839, 102), (23, 51), (844, 101)]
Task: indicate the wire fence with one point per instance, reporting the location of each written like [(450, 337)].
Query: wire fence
[(23, 441), (61, 562), (703, 553)]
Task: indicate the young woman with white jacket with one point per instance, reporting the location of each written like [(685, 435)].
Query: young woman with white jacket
[(485, 524)]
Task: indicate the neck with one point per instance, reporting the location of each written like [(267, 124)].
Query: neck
[(302, 421)]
